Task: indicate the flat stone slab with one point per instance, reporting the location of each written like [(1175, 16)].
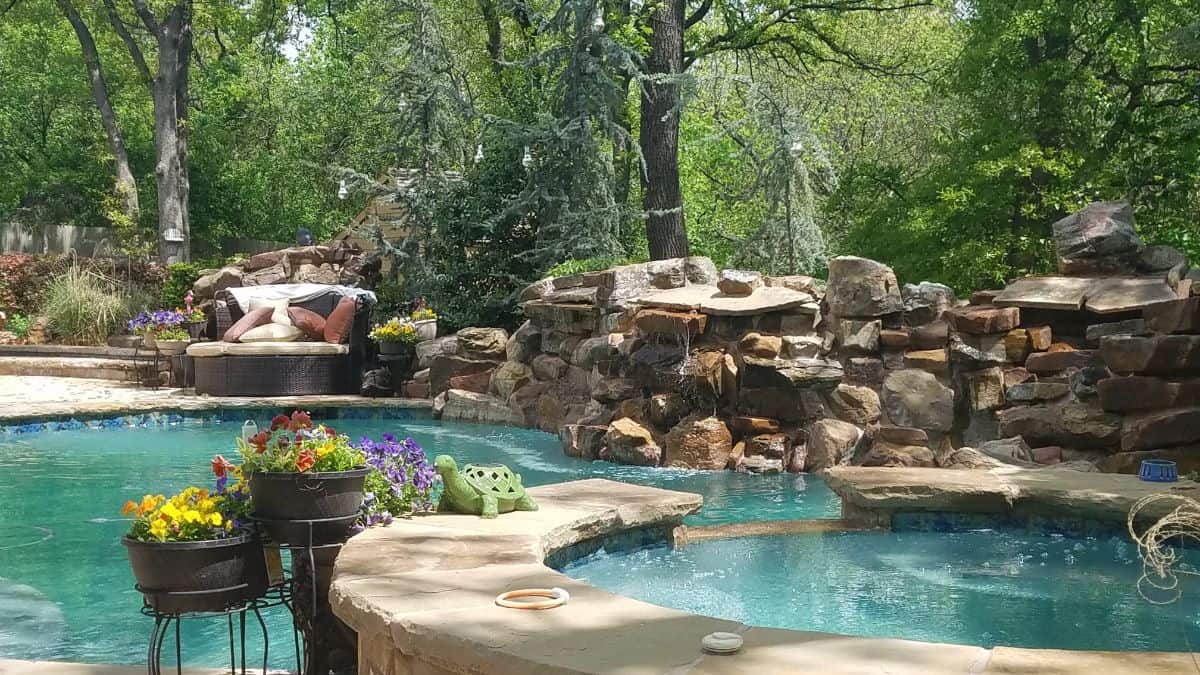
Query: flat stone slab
[(421, 594), (710, 300), (1103, 295), (1104, 497)]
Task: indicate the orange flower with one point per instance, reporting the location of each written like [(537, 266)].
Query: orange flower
[(279, 422), (220, 466), (129, 508), (305, 460)]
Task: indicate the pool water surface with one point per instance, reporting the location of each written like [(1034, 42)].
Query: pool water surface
[(983, 587), (66, 592)]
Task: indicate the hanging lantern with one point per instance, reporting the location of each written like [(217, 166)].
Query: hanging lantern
[(343, 191), (598, 19), (797, 149), (479, 153), (249, 430), (527, 159)]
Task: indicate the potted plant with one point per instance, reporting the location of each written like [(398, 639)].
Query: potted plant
[(172, 341), (150, 324), (396, 337), (190, 553), (425, 321), (400, 481), (305, 479)]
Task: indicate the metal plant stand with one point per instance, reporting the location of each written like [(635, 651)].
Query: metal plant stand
[(164, 622), (309, 605)]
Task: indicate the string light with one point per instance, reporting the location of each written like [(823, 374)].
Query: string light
[(343, 191), (527, 159), (479, 153)]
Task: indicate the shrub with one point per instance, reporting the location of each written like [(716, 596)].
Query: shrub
[(83, 307), (180, 277), (23, 279), (18, 325), (570, 267)]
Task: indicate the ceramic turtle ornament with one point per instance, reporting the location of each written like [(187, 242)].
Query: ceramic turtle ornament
[(485, 490)]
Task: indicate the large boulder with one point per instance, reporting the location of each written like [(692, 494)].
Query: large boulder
[(615, 389), (1070, 424), (1161, 429), (699, 442), (830, 442), (483, 343), (925, 302), (469, 406), (859, 287), (627, 442), (855, 404), (884, 453), (1008, 450), (915, 398), (582, 441), (1171, 355), (1099, 239), (665, 410), (443, 367), (965, 458), (547, 367), (207, 286), (509, 377), (820, 374), (428, 350), (524, 343), (771, 446), (739, 282), (762, 346)]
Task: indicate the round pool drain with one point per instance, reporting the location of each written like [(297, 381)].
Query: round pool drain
[(721, 643)]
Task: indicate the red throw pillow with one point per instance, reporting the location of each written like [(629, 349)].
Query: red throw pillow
[(310, 322), (252, 319), (340, 321)]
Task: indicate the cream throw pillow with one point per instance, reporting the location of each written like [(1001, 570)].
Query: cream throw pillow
[(272, 332), (279, 313)]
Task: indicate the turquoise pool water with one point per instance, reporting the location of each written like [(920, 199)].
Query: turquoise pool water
[(66, 592), (980, 587)]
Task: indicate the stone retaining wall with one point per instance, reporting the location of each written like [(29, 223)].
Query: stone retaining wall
[(672, 363)]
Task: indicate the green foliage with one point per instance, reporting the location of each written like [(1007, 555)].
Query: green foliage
[(82, 307), (180, 277), (18, 325), (569, 267)]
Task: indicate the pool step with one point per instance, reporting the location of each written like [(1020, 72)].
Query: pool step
[(121, 370)]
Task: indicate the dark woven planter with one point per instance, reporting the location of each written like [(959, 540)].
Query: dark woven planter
[(198, 576), (287, 503)]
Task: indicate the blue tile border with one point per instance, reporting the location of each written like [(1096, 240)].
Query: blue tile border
[(201, 417)]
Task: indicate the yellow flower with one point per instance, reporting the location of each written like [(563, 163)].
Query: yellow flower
[(158, 529), (171, 511), (192, 516), (215, 519)]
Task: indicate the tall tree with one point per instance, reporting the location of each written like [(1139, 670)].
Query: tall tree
[(795, 33), (125, 186), (169, 89)]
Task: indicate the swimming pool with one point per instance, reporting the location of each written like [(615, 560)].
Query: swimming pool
[(983, 587), (66, 592)]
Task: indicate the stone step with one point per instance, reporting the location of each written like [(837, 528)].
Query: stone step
[(72, 351), (121, 370)]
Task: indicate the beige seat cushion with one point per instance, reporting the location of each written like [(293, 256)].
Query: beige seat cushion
[(207, 349), (272, 332)]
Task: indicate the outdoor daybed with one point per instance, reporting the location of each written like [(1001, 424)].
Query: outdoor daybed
[(324, 362)]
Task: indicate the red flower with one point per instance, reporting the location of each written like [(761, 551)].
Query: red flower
[(220, 466), (305, 460), (300, 420), (329, 431), (259, 441), (279, 422)]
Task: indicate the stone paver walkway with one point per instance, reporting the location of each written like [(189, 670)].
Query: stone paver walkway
[(25, 397)]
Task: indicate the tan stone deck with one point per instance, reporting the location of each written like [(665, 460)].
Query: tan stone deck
[(870, 494), (421, 595), (24, 397)]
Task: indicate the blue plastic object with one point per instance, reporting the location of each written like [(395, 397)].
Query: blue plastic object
[(1159, 471)]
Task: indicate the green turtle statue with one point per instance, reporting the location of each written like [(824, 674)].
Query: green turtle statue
[(485, 490)]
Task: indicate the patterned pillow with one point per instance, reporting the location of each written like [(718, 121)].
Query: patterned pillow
[(252, 319)]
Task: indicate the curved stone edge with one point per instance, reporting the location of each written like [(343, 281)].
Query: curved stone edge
[(421, 593)]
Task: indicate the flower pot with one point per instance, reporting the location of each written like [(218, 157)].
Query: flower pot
[(173, 347), (426, 329), (394, 348), (148, 341), (1158, 471), (198, 576), (285, 503), (195, 329)]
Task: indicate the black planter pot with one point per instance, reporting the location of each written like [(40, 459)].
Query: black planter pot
[(198, 576), (287, 503), (394, 348)]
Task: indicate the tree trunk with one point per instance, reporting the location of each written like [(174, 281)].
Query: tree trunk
[(125, 186), (170, 171), (659, 138)]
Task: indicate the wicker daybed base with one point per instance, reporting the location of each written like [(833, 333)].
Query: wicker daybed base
[(274, 375)]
